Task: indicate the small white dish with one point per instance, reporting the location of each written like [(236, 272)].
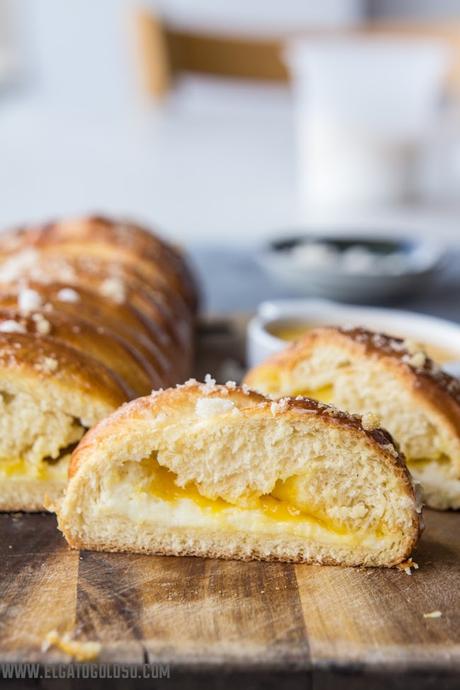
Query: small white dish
[(272, 317), (351, 269)]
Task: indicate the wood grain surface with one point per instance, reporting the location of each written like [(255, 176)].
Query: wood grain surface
[(226, 623)]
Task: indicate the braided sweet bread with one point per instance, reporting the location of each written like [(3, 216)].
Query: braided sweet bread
[(93, 312)]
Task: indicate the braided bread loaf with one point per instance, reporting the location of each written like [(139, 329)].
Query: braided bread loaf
[(92, 313)]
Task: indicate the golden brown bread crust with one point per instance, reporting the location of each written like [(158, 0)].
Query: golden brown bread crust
[(124, 240), (44, 359), (101, 343), (257, 402), (107, 305), (256, 406)]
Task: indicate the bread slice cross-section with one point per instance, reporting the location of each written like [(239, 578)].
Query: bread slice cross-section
[(221, 471), (365, 372)]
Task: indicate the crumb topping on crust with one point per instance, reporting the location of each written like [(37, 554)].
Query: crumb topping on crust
[(408, 353)]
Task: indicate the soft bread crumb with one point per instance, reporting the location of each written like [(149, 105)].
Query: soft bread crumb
[(68, 295), (11, 326), (210, 407), (370, 421), (81, 651), (28, 300), (433, 614)]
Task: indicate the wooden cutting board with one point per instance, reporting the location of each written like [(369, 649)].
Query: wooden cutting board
[(260, 624)]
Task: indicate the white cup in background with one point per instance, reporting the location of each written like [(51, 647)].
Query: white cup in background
[(363, 106)]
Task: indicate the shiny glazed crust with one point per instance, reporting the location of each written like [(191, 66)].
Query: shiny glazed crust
[(93, 312)]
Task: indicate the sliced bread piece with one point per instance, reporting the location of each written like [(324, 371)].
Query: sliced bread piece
[(365, 372), (221, 471)]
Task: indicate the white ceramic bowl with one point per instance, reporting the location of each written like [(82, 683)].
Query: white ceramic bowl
[(430, 330)]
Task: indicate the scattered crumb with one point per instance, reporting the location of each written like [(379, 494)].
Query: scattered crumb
[(81, 651), (113, 288), (28, 300), (11, 326), (433, 614), (370, 421), (407, 565), (68, 295), (231, 385)]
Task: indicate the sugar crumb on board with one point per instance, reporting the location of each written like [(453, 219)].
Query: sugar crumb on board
[(81, 651), (407, 566), (433, 614)]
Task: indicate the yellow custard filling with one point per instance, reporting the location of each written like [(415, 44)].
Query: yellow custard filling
[(323, 394), (20, 468), (280, 505)]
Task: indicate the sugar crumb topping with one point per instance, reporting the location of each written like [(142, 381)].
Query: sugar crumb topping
[(211, 407), (113, 288), (231, 385), (411, 346), (370, 421), (28, 300), (68, 295), (188, 384), (42, 325), (11, 326), (18, 264), (279, 406), (47, 365), (209, 384)]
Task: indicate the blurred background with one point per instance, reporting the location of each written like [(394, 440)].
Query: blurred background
[(227, 124)]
